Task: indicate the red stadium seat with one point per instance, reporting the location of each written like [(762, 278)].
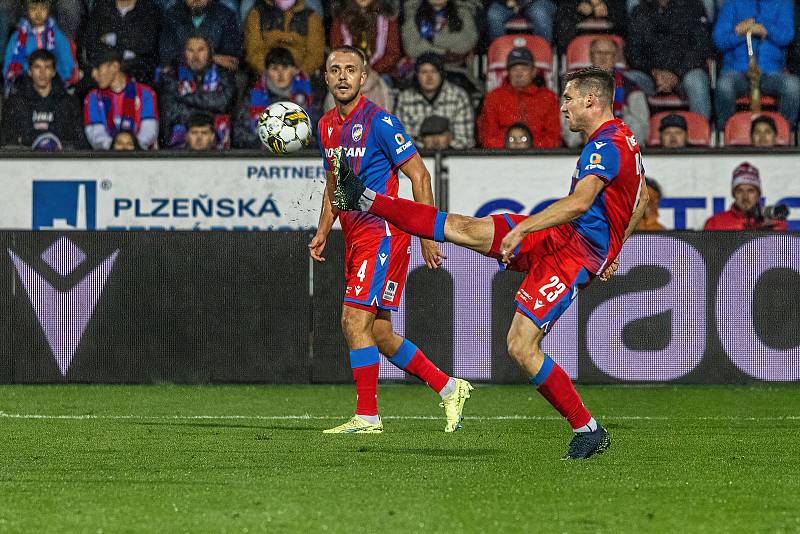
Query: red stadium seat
[(698, 129), (498, 52), (577, 56), (737, 129), (743, 102)]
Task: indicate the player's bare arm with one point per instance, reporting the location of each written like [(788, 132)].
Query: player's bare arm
[(636, 216), (420, 178), (562, 211), (327, 217)]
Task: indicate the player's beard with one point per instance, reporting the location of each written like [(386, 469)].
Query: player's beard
[(347, 99)]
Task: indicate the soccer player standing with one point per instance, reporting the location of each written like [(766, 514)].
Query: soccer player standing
[(377, 254), (562, 248)]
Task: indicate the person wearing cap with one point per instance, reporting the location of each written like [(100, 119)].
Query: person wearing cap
[(209, 17), (435, 133), (196, 85), (763, 132), (433, 95), (118, 103), (42, 106), (133, 26), (520, 99), (35, 31), (280, 81), (745, 213), (288, 24), (673, 131)]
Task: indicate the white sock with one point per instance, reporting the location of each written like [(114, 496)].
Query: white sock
[(448, 388), (366, 200), (591, 426), (374, 419)]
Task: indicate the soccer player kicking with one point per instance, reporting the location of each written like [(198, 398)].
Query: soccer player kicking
[(377, 254), (562, 248)]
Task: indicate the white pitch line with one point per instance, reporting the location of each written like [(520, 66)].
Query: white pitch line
[(82, 417)]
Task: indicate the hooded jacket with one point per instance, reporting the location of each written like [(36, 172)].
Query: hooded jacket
[(220, 25), (537, 107), (736, 219)]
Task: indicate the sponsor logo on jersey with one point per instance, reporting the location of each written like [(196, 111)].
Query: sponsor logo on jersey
[(538, 304), (594, 162), (387, 120), (631, 141), (403, 147), (358, 129), (574, 292), (359, 289), (599, 144), (352, 152), (382, 256), (524, 296), (399, 138), (330, 130), (391, 289)]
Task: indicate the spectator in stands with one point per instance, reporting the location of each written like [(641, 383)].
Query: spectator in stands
[(118, 103), (42, 106), (38, 30), (200, 136), (746, 213), (211, 18), (538, 13), (630, 102), (674, 132), (763, 132), (196, 85), (435, 133), (287, 24), (370, 25), (518, 137), (649, 222), (444, 27), (315, 5), (133, 26), (67, 14), (433, 95), (668, 46), (771, 23), (576, 16), (519, 99), (125, 140), (281, 81)]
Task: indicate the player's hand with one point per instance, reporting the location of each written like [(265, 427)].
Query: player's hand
[(610, 270), (509, 244), (431, 253), (316, 246)]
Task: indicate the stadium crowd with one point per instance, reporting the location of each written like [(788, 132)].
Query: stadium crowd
[(196, 74)]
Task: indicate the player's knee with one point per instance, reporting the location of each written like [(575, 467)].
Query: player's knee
[(383, 334), (353, 324), (518, 350)]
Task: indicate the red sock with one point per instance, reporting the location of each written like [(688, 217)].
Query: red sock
[(417, 219), (365, 364), (557, 388), (409, 358)]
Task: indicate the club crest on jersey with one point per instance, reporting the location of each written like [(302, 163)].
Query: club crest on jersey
[(357, 131), (391, 289), (352, 152), (398, 137)]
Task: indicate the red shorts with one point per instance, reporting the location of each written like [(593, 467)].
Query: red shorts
[(555, 271), (375, 270)]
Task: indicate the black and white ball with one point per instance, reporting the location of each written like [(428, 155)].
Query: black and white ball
[(284, 127)]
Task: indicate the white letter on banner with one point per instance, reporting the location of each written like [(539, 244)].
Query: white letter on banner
[(734, 308), (684, 296)]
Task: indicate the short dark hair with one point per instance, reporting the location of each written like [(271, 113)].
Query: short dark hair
[(593, 79), (197, 34), (520, 126), (351, 50), (200, 120), (41, 54), (279, 56), (136, 145), (763, 119), (653, 184)]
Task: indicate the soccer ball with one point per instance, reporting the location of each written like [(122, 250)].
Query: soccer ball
[(284, 127)]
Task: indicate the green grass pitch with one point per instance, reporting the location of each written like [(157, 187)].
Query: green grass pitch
[(252, 459)]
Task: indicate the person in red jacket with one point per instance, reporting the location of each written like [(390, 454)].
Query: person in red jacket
[(745, 214), (520, 100)]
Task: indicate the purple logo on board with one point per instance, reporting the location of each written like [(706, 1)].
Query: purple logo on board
[(63, 315)]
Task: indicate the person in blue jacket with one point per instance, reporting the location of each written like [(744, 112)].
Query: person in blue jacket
[(772, 25)]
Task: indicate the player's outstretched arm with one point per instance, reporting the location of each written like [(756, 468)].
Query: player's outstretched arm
[(420, 178), (559, 212), (636, 216), (327, 217)]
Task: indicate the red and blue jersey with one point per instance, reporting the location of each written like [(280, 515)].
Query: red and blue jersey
[(121, 111), (376, 146), (612, 154)]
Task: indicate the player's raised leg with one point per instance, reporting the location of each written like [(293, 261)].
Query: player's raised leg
[(404, 355), (524, 345), (364, 362)]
